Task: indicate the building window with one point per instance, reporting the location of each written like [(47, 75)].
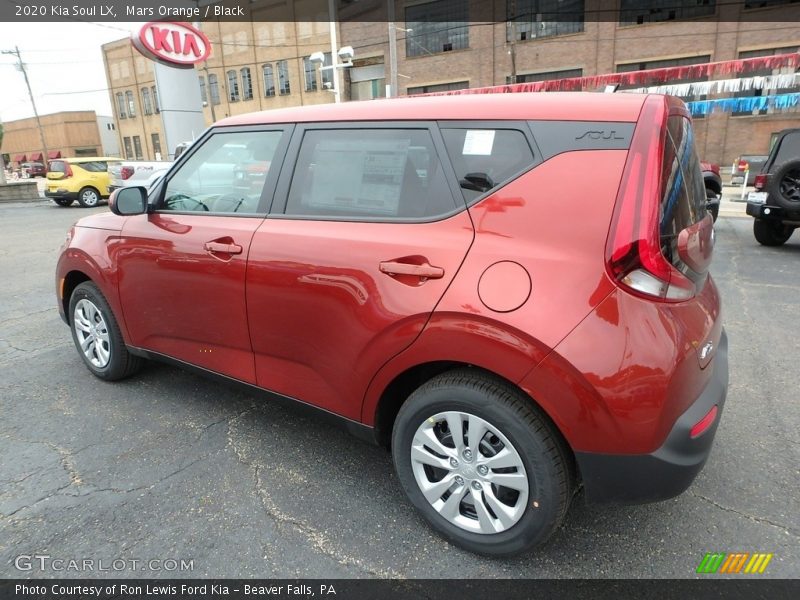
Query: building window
[(233, 86), (439, 26), (439, 87), (121, 106), (283, 78), (131, 103), (636, 12), (213, 88), (156, 145), (203, 94), (547, 76), (147, 106), (137, 146), (156, 104), (311, 74), (765, 91), (269, 81), (247, 84), (661, 64), (748, 4), (126, 141), (543, 18)]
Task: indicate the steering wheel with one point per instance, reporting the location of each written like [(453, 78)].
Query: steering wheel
[(184, 199), (232, 199)]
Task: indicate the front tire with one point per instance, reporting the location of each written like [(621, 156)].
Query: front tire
[(89, 197), (484, 467), (97, 336), (64, 201), (770, 233)]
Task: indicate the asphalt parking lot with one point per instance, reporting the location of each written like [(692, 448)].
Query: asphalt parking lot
[(169, 466)]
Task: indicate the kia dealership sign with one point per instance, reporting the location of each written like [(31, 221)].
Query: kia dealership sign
[(173, 44)]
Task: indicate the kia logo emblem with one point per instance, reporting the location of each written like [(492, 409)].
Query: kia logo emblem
[(174, 44)]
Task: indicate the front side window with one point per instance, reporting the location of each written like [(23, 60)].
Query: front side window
[(484, 159), (225, 175), (368, 174), (438, 26), (233, 86), (95, 166)]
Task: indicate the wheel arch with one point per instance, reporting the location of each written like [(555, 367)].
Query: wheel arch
[(72, 279)]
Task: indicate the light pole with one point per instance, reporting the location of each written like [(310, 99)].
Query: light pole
[(346, 53)]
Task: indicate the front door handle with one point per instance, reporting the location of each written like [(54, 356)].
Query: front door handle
[(424, 271), (220, 248)]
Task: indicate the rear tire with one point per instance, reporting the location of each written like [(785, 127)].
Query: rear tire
[(783, 185), (88, 197), (97, 336), (64, 201), (499, 510), (769, 233), (712, 202)]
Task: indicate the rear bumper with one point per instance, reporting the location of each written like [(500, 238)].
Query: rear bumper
[(670, 470), (65, 195), (771, 212)]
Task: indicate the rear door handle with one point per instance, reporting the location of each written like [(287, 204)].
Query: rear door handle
[(218, 247), (425, 270)]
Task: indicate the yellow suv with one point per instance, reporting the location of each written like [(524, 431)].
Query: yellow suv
[(84, 179)]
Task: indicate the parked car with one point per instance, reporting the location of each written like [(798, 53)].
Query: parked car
[(713, 184), (84, 179), (433, 277), (747, 163), (775, 205), (33, 169), (128, 172)]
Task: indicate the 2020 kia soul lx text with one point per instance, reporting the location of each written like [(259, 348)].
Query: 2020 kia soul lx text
[(511, 291)]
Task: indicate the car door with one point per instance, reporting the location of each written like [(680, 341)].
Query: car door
[(365, 236), (182, 266)]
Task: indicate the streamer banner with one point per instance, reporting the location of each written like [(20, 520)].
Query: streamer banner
[(724, 86), (647, 77), (748, 104)]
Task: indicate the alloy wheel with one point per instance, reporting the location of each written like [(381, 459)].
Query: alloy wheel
[(92, 333)]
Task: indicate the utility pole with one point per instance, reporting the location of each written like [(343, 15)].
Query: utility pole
[(392, 51), (21, 67), (209, 99), (337, 95), (513, 51)]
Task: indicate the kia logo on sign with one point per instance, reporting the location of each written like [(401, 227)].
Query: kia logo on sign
[(174, 44)]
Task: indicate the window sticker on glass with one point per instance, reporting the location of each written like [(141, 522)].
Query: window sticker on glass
[(375, 175), (478, 142)]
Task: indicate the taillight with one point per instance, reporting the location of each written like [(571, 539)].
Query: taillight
[(633, 251), (760, 182), (126, 172), (68, 172), (743, 166)]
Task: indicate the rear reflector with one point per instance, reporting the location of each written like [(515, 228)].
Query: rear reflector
[(703, 424)]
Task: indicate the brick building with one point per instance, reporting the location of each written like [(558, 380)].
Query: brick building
[(452, 44)]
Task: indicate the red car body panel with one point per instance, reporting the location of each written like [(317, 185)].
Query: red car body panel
[(324, 318), (181, 300)]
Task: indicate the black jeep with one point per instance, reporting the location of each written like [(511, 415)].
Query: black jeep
[(776, 202)]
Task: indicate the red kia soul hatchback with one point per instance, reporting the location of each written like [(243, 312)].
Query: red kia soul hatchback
[(511, 291)]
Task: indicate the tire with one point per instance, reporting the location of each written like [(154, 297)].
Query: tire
[(770, 233), (64, 201), (783, 185), (88, 197), (91, 319), (541, 483)]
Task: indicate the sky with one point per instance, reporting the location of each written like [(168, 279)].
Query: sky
[(64, 63)]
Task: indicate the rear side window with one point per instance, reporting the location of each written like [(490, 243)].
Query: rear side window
[(683, 202), (96, 166), (58, 166), (484, 159), (789, 148), (367, 174)]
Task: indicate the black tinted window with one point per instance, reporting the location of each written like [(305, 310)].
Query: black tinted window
[(789, 148), (683, 201), (368, 174), (484, 159), (96, 166)]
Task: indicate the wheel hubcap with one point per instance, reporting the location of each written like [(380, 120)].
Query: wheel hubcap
[(90, 198), (92, 333), (487, 491)]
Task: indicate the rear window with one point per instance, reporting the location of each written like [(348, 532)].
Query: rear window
[(683, 202), (484, 159)]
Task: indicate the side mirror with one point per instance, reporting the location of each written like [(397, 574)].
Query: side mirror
[(128, 201)]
